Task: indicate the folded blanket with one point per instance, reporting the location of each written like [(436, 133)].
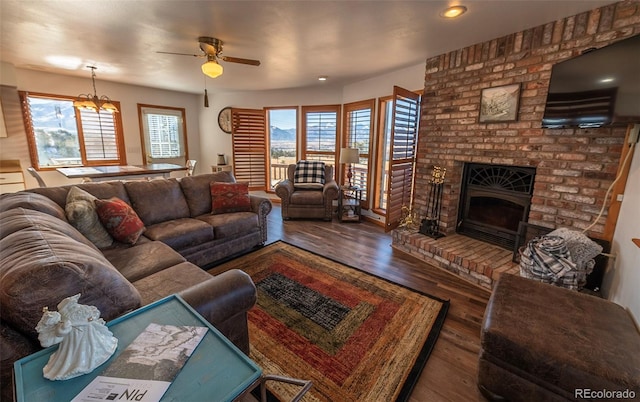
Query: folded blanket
[(582, 249), (547, 259)]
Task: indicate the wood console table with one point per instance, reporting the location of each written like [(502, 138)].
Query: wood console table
[(105, 173)]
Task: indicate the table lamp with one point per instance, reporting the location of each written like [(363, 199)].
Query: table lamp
[(349, 156)]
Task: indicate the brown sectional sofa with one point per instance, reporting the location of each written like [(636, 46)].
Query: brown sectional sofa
[(44, 259)]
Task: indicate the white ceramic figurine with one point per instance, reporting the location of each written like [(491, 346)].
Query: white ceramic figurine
[(85, 341)]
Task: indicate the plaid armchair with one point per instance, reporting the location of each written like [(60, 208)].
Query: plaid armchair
[(305, 194)]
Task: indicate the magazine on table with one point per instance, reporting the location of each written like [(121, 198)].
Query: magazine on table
[(145, 369)]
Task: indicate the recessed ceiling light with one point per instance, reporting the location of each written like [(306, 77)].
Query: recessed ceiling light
[(453, 11), (607, 80), (322, 78)]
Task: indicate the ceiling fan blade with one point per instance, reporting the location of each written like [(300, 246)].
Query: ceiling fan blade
[(183, 54), (241, 61)]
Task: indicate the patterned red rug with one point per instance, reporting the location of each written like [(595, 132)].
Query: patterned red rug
[(356, 336)]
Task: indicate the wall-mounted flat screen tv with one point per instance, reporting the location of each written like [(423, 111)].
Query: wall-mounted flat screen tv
[(598, 88)]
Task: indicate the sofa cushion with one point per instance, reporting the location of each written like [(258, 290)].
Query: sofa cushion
[(309, 174), (229, 197), (180, 233), (120, 220), (141, 260), (18, 219), (232, 224), (169, 281), (101, 190), (40, 268), (81, 213), (28, 200), (197, 190), (157, 200)]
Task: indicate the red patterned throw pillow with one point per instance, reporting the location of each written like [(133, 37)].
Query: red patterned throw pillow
[(120, 220), (229, 197)]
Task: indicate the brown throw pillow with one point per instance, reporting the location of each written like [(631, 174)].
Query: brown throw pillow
[(120, 220), (229, 197)]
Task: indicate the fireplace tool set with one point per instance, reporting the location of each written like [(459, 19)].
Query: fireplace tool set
[(430, 225)]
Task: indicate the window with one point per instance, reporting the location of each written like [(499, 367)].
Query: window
[(283, 132), (385, 108), (60, 135), (163, 131), (320, 133), (358, 127)]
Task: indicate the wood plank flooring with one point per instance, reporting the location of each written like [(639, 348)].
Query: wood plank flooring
[(450, 372)]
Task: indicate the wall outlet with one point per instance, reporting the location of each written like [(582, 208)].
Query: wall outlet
[(633, 135)]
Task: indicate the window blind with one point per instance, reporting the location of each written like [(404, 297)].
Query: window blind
[(404, 136), (249, 147), (99, 135)]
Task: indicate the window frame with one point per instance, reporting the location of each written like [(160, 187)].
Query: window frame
[(31, 141), (143, 134), (378, 187), (267, 110), (346, 142), (303, 130)]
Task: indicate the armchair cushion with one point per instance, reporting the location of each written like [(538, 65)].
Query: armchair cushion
[(309, 174)]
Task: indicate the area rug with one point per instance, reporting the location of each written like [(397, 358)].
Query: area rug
[(356, 336)]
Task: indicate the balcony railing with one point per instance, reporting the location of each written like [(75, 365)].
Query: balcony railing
[(278, 173)]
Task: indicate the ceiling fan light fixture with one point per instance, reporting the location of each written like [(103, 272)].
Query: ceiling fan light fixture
[(212, 69), (453, 11)]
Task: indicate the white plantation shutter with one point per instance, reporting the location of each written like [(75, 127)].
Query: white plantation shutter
[(164, 134)]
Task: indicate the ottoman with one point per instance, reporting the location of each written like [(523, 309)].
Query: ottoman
[(540, 342)]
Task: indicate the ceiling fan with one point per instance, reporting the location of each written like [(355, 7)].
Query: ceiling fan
[(212, 50)]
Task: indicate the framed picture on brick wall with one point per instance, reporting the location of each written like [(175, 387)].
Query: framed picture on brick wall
[(499, 104)]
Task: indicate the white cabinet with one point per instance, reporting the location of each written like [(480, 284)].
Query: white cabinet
[(11, 176)]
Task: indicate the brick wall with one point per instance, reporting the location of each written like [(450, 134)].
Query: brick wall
[(574, 166)]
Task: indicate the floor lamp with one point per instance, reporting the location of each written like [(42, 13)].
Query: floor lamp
[(349, 156)]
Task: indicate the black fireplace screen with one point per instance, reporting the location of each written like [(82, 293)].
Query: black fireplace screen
[(494, 200)]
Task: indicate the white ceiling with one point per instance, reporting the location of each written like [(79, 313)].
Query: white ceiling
[(296, 41)]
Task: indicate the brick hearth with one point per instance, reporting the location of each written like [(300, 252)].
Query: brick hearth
[(474, 260)]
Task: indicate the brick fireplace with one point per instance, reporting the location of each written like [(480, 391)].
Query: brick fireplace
[(573, 167), (493, 201)]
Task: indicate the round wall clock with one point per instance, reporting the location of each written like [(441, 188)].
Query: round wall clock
[(224, 120)]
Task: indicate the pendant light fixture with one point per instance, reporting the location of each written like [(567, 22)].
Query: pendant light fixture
[(93, 102)]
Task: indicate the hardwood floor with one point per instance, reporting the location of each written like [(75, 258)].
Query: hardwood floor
[(450, 372)]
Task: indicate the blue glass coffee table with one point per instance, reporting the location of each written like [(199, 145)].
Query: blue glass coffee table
[(216, 371)]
